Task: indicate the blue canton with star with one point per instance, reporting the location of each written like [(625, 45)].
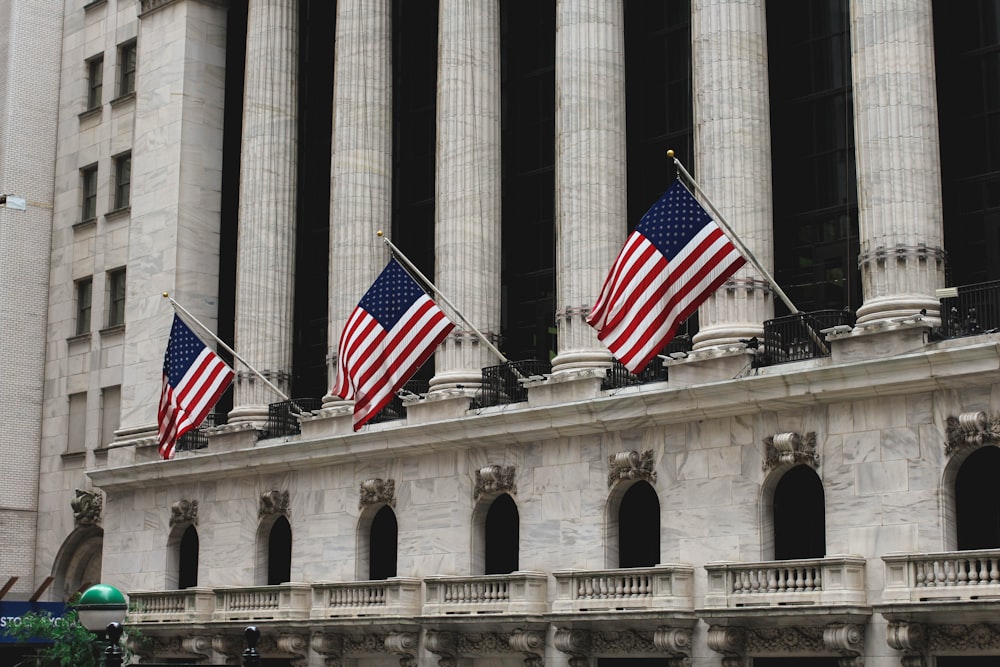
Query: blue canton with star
[(391, 295), (673, 220), (183, 348)]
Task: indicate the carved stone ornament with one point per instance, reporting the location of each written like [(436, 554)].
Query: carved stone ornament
[(87, 506), (848, 640), (230, 646), (631, 465), (273, 502), (794, 448), (184, 511), (329, 645), (482, 643), (981, 638), (366, 644), (531, 643), (785, 639), (494, 479), (675, 642), (906, 636), (443, 645), (576, 643), (377, 491), (970, 430), (629, 642), (403, 644)]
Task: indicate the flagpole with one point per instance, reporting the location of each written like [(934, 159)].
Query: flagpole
[(227, 348), (410, 266), (721, 221)]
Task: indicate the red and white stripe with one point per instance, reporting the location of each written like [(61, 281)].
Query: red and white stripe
[(373, 363), (645, 297), (185, 406)]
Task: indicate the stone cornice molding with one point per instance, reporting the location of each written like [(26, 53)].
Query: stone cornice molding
[(376, 491), (184, 511), (631, 465), (494, 480), (147, 7), (782, 448), (273, 502), (942, 366), (970, 430)]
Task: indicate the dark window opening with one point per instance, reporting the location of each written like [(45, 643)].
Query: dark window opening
[(799, 515), (528, 201), (382, 545), (312, 235), (639, 527), (502, 521), (977, 506), (812, 152), (796, 662), (967, 60), (187, 575), (279, 552)]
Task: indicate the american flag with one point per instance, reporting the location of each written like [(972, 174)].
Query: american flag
[(390, 334), (673, 260), (194, 377)]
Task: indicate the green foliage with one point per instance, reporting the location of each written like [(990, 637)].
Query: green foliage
[(72, 644)]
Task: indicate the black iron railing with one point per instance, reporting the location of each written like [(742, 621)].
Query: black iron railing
[(197, 438), (281, 420), (394, 409), (501, 384), (974, 309), (618, 376), (797, 337)]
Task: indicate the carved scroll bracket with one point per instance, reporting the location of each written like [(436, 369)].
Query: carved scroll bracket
[(531, 643), (273, 502), (782, 448), (494, 479), (444, 645), (575, 643), (376, 491), (403, 644), (729, 641), (329, 645), (676, 643), (631, 465)]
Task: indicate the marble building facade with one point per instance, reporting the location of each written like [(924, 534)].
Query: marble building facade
[(822, 509)]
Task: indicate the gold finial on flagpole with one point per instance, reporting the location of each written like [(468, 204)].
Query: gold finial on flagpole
[(166, 296), (378, 233), (670, 153)]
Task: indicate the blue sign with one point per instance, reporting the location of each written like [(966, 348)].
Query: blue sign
[(11, 613)]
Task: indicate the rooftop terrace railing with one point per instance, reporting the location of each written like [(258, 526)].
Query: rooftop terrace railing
[(502, 383), (969, 310), (798, 337)]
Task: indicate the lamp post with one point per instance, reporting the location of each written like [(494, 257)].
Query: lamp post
[(101, 609)]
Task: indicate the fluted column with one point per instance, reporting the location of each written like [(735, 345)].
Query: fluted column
[(467, 222), (591, 205), (897, 149), (733, 144), (361, 169), (266, 244)]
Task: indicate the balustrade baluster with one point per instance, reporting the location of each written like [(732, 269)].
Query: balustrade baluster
[(809, 579), (994, 572), (799, 581), (961, 565), (918, 574), (949, 566)]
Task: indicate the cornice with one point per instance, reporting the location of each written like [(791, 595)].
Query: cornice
[(933, 368)]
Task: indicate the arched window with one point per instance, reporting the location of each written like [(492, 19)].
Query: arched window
[(187, 571), (977, 506), (382, 545), (799, 515), (501, 536), (279, 552), (639, 527)]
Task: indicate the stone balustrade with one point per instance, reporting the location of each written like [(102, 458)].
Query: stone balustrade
[(259, 603), (391, 597), (515, 593), (188, 605), (813, 581), (660, 587), (950, 575)]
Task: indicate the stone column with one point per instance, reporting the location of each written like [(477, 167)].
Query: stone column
[(733, 143), (361, 170), (176, 195), (265, 269), (467, 222), (898, 169), (591, 205)]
